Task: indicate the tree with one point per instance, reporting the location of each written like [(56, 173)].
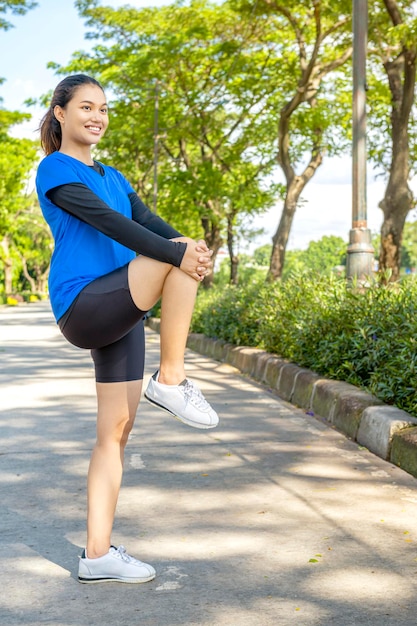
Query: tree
[(294, 263), (208, 70), (33, 244), (16, 7), (311, 107), (17, 158), (326, 254), (393, 35), (262, 255), (323, 256)]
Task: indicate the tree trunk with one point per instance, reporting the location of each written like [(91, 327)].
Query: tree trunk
[(26, 274), (295, 186), (7, 265), (312, 69), (234, 259), (42, 282), (214, 241), (398, 199), (280, 239)]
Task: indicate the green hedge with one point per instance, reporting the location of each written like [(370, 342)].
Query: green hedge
[(366, 338)]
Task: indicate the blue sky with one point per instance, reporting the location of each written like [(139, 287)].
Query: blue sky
[(50, 32), (53, 31)]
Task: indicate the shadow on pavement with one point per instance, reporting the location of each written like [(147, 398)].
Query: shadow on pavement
[(271, 519)]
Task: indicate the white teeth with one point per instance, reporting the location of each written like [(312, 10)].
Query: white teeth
[(97, 128)]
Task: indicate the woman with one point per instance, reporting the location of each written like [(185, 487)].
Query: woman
[(113, 260)]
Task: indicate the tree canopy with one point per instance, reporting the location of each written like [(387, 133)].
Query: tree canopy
[(393, 64), (17, 158), (220, 111), (207, 73), (15, 7)]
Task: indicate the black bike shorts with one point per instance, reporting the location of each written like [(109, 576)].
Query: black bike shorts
[(104, 319)]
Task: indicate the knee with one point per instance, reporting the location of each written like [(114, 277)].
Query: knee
[(123, 430), (125, 433), (118, 434)]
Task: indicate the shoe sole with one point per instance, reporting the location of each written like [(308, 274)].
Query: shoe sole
[(114, 580), (177, 417)]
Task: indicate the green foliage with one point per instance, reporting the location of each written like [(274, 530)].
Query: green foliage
[(18, 232), (224, 313), (409, 246), (327, 254), (33, 242), (16, 7), (248, 271), (262, 255), (367, 338), (387, 44), (323, 256), (209, 73), (17, 158)]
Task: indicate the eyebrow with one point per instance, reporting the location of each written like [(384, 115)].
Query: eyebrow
[(91, 102)]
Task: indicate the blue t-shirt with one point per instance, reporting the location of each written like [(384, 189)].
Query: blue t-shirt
[(81, 252)]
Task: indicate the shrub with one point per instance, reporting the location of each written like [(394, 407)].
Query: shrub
[(229, 313), (367, 338)]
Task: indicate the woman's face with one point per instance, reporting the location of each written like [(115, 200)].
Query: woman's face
[(84, 120)]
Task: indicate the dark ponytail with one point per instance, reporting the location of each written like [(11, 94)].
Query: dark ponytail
[(50, 128)]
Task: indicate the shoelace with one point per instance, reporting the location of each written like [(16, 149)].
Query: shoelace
[(194, 395), (122, 554)]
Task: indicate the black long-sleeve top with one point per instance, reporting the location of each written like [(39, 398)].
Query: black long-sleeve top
[(146, 233)]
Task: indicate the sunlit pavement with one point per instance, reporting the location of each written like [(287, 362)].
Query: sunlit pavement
[(271, 519)]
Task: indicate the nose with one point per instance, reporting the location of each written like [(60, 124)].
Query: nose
[(96, 114)]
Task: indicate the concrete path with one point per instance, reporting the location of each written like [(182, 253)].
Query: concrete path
[(271, 519)]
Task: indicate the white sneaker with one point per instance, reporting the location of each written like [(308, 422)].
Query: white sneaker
[(184, 401), (115, 566)]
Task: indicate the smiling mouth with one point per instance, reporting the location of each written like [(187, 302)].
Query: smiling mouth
[(94, 129)]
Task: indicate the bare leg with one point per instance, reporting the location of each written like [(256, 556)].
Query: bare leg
[(118, 402), (148, 281), (117, 406)]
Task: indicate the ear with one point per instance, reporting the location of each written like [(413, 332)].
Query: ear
[(59, 113)]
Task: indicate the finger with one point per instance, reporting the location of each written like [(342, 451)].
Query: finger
[(204, 259)]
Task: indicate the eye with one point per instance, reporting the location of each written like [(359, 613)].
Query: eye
[(86, 107), (104, 110)]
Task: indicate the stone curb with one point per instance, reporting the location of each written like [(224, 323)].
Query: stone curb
[(385, 430)]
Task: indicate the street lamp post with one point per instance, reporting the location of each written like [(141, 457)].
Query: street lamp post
[(360, 257)]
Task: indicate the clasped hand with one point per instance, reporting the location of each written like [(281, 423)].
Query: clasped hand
[(196, 261)]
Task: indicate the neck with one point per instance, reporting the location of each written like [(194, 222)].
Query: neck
[(81, 153)]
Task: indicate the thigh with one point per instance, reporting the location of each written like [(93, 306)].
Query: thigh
[(122, 360), (146, 280), (103, 312)]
